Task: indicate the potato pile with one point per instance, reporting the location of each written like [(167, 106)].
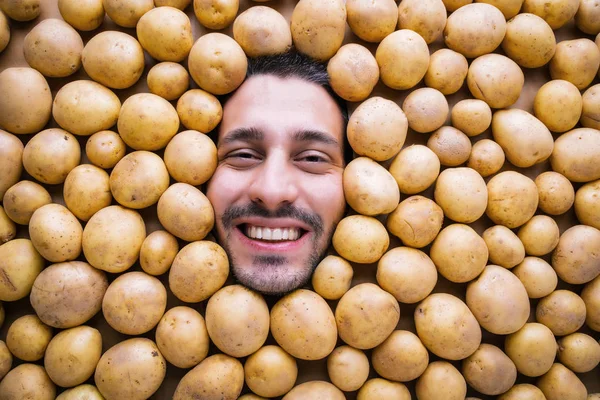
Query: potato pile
[(468, 263)]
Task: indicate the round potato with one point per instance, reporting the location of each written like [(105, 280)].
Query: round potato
[(590, 297), (561, 383), (562, 311), (372, 21), (576, 259), (6, 360), (191, 157), (50, 155), (11, 164), (532, 348), (556, 193), (317, 390), (452, 147), (369, 188), (487, 157), (556, 13), (199, 110), (216, 14), (579, 352), (471, 116), (573, 154), (85, 391), (489, 370), (447, 70), (416, 221), (461, 193), (27, 381), (428, 388), (427, 18), (185, 212), (538, 277), (104, 149), (21, 10), (127, 13), (558, 104), (403, 58), (382, 389), (343, 76), (86, 191), (586, 18), (587, 204), (262, 31), (529, 41), (509, 8), (523, 391), (576, 61), (495, 79), (216, 376), (426, 109), (539, 235), (504, 246), (168, 80), (348, 368), (410, 160), (28, 337), (158, 252), (8, 229), (21, 264), (401, 357), (512, 199), (165, 33), (590, 114), (453, 5), (332, 277), (360, 239), (56, 233), (85, 15), (270, 372)]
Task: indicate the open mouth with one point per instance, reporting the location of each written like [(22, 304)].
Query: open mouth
[(263, 233)]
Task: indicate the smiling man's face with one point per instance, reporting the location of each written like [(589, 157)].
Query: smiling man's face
[(277, 191)]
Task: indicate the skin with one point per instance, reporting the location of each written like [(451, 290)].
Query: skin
[(280, 165)]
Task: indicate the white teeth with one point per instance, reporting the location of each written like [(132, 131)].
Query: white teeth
[(272, 234)]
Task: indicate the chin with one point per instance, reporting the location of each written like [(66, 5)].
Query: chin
[(273, 280)]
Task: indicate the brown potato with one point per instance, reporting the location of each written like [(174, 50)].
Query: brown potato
[(348, 368), (579, 352), (28, 337), (21, 264), (372, 21), (22, 199), (558, 104), (270, 372), (84, 15), (416, 221), (86, 391), (532, 348), (369, 188), (216, 14), (574, 153), (452, 147), (56, 233), (365, 247), (590, 115), (504, 246), (587, 204), (27, 381), (401, 357), (216, 376), (495, 79), (586, 18), (353, 72), (523, 391), (556, 193), (461, 193), (86, 191), (512, 199), (576, 61), (11, 165), (104, 149), (471, 116), (529, 41), (415, 168), (403, 58), (332, 277), (426, 109), (489, 370), (562, 311), (509, 8), (382, 389), (590, 297), (262, 31), (158, 252), (539, 235), (21, 10), (556, 14), (538, 277), (191, 157), (127, 13), (453, 5), (8, 229), (428, 388), (199, 110), (317, 390), (447, 71), (576, 259), (165, 33), (561, 383), (487, 157), (427, 18), (168, 80), (4, 31), (6, 360)]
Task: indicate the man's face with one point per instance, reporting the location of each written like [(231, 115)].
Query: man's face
[(277, 191)]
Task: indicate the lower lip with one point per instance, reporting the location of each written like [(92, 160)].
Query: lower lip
[(272, 247)]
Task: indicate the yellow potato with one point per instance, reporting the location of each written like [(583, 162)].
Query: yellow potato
[(452, 146), (471, 116), (579, 352), (561, 383), (262, 31), (538, 277), (556, 13), (576, 259), (348, 368), (489, 370), (50, 155), (185, 212), (158, 252), (332, 277), (353, 72), (416, 221), (415, 169), (369, 188), (84, 15), (168, 80), (509, 8), (218, 376), (85, 391), (270, 372), (4, 31), (512, 199), (21, 10), (199, 110), (532, 348), (590, 297), (428, 387), (556, 193), (558, 104), (574, 154), (461, 193), (427, 18), (487, 157), (587, 204), (11, 164), (6, 360), (360, 239), (453, 5), (127, 13), (523, 391), (587, 17), (8, 229), (56, 233), (590, 116), (403, 58), (495, 79), (28, 337), (216, 14), (576, 61), (426, 109), (539, 235), (165, 33), (372, 21), (562, 311), (21, 264), (27, 381), (86, 191), (191, 157), (447, 70), (529, 41), (401, 357), (504, 246), (382, 389), (104, 149)]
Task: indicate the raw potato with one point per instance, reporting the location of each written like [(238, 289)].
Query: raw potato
[(168, 80), (127, 13), (579, 352), (561, 383), (459, 253), (217, 63), (317, 390), (447, 71), (332, 277), (504, 246), (509, 8), (558, 104), (403, 58), (382, 389), (372, 21), (590, 297), (489, 370), (158, 252), (428, 388), (538, 277), (318, 27), (471, 116), (4, 33), (495, 79), (556, 13), (452, 147), (216, 14), (562, 311), (85, 391), (539, 235), (408, 274), (447, 327), (475, 30), (6, 360), (68, 294), (529, 41), (20, 264), (427, 18), (218, 376), (487, 157), (28, 337), (271, 372), (512, 199), (262, 31), (360, 239), (27, 381), (401, 357), (415, 169), (56, 233), (586, 18), (369, 188), (461, 193), (84, 15), (182, 338), (86, 191), (165, 33), (191, 157), (317, 335), (21, 10), (575, 153), (426, 109), (104, 149), (523, 391), (377, 129), (132, 369), (54, 48), (353, 72), (453, 5), (416, 221), (576, 259), (348, 368), (11, 164), (587, 204), (576, 61), (556, 193), (85, 107), (199, 110), (8, 229), (50, 155), (27, 101), (590, 115), (532, 348)]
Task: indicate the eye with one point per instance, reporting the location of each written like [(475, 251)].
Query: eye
[(313, 161), (243, 158)]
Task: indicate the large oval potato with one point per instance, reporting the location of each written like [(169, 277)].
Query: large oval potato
[(576, 259), (191, 157), (495, 79), (56, 233), (27, 381), (360, 239), (270, 371), (561, 383), (165, 33), (532, 348), (462, 194), (21, 264), (529, 41), (403, 58), (562, 311), (575, 153), (185, 212), (369, 188), (489, 370), (428, 388), (11, 164), (576, 61), (512, 199), (218, 376)]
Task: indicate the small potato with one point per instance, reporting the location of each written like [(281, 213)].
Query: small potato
[(217, 63), (509, 8), (427, 18), (471, 116), (191, 157), (538, 277), (348, 368), (158, 252), (4, 31), (586, 18), (495, 79), (28, 337), (590, 115), (369, 188), (401, 357), (461, 193), (6, 360), (408, 274), (27, 381), (532, 348), (165, 33), (114, 59), (579, 352), (416, 221), (562, 311), (415, 169), (68, 294), (316, 390), (561, 383), (168, 80), (198, 271), (452, 147), (403, 58), (447, 327), (489, 370), (556, 193), (21, 10), (447, 71), (112, 239), (459, 253), (539, 235), (104, 149), (558, 104), (216, 14), (262, 31), (353, 72), (21, 264), (318, 334), (271, 372), (56, 233), (487, 157), (11, 164), (576, 61), (54, 48), (85, 15), (8, 229), (332, 277), (504, 246), (127, 13), (512, 199), (529, 41), (382, 389), (85, 391), (86, 191), (575, 153), (587, 204), (50, 155), (523, 391), (377, 129), (426, 109), (453, 5), (556, 13), (218, 376), (428, 388), (360, 239), (372, 21), (576, 259), (199, 110), (182, 338), (591, 298)]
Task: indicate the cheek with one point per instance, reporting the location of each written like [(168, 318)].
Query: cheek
[(326, 197), (221, 190)]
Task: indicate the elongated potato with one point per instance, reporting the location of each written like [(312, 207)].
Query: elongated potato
[(574, 154), (369, 188), (218, 376)]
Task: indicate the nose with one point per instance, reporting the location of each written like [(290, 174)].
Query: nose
[(274, 183)]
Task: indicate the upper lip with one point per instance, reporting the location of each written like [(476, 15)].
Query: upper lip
[(273, 223)]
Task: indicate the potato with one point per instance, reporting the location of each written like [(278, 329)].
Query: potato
[(4, 31), (504, 246), (262, 31), (28, 337), (576, 259), (558, 104), (332, 277), (590, 297), (8, 229), (216, 14), (191, 157), (185, 212), (471, 116), (561, 383), (377, 129), (512, 199), (428, 388), (489, 370), (56, 233), (54, 48), (86, 191), (348, 368), (168, 80), (353, 72), (523, 391), (495, 79), (408, 274), (72, 355), (532, 348), (26, 105), (461, 193), (562, 311), (556, 193), (6, 360), (182, 338), (369, 188), (529, 41), (487, 157), (459, 253), (114, 59), (475, 30), (127, 13), (104, 149), (427, 18), (410, 160), (509, 8), (587, 204), (85, 391), (270, 372), (590, 115), (579, 352), (50, 155), (11, 165), (317, 336), (21, 10), (426, 109), (165, 33), (21, 264), (450, 145), (82, 15), (131, 369), (199, 110), (556, 13), (453, 5), (318, 27), (447, 70), (586, 18), (134, 303), (382, 389), (158, 252), (198, 271), (218, 376), (112, 239), (538, 277), (539, 235), (403, 58), (360, 239), (416, 221), (576, 61), (27, 381), (401, 357), (447, 327), (372, 21), (217, 63), (68, 294), (573, 154)]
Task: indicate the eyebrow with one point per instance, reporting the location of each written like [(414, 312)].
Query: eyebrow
[(256, 135), (314, 136), (244, 134)]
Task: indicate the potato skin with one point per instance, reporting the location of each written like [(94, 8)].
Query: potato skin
[(495, 79), (590, 297), (372, 21), (561, 383), (471, 116), (86, 191), (455, 387), (392, 55), (199, 110), (587, 204), (504, 246), (165, 33), (586, 18), (512, 199), (590, 116), (462, 194), (426, 109), (539, 235), (575, 258), (529, 41), (85, 15), (401, 357), (489, 370), (332, 277), (427, 18), (382, 389), (538, 277), (532, 348), (27, 381), (50, 155), (85, 391), (369, 188), (365, 248), (579, 352), (218, 376), (348, 368), (11, 164), (28, 337), (556, 14), (262, 31), (127, 13), (410, 160), (4, 32), (523, 391), (158, 252), (216, 14), (105, 148), (21, 264), (558, 104), (343, 68), (447, 71), (270, 371), (191, 157), (6, 360), (487, 157), (556, 193), (8, 229), (168, 80), (56, 233), (317, 390), (562, 311), (416, 221), (573, 155), (576, 61)]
